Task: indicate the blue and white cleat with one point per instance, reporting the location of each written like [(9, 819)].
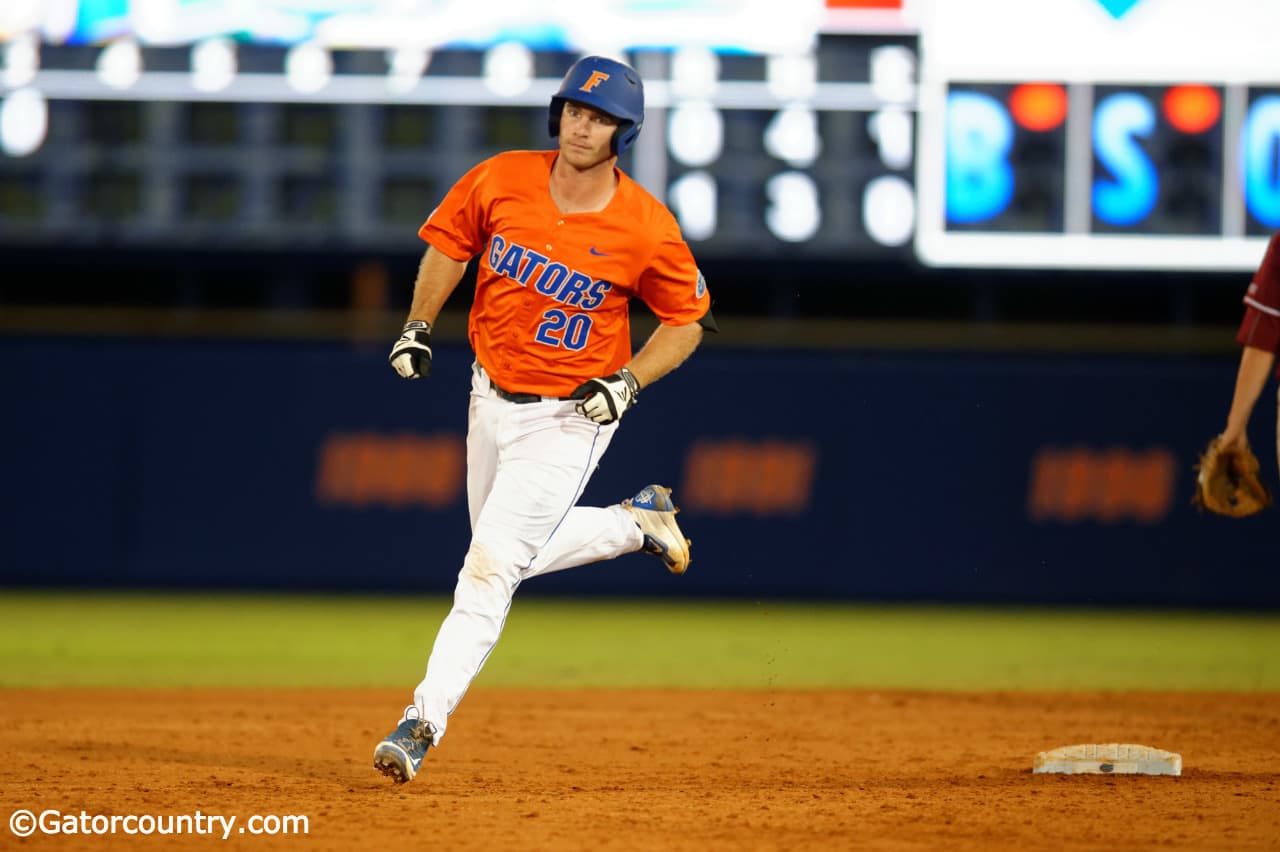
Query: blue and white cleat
[(655, 515), (400, 754)]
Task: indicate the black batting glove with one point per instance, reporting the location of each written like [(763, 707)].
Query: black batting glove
[(606, 399), (411, 355)]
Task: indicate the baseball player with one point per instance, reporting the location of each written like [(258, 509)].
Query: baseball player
[(565, 240), (1259, 335)]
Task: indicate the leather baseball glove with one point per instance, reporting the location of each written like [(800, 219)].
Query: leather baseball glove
[(1227, 481)]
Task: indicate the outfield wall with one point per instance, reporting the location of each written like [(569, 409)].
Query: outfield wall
[(809, 474)]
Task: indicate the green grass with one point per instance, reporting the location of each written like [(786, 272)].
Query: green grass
[(86, 639)]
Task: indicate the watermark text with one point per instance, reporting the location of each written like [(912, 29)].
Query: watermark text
[(25, 823)]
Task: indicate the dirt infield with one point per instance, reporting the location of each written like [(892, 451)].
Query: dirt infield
[(648, 770)]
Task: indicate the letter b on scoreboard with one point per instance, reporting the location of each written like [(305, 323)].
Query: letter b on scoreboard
[(1005, 157)]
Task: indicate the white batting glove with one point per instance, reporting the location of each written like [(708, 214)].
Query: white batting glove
[(411, 354), (606, 399)]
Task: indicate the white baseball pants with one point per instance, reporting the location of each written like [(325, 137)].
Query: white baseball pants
[(527, 466)]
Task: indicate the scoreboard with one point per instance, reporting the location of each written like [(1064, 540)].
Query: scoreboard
[(1159, 159), (295, 124), (1099, 133)]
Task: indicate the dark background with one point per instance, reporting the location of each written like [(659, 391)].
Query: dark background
[(759, 287), (197, 300)]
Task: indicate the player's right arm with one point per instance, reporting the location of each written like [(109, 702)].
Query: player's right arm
[(438, 277), (1259, 335), (1255, 369)]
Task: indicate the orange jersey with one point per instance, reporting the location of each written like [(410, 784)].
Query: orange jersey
[(552, 289), (1260, 327)]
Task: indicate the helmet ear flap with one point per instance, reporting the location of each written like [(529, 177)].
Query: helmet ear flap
[(553, 116), (625, 136)]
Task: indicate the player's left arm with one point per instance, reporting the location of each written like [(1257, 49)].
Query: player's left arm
[(674, 289), (667, 348), (607, 398)]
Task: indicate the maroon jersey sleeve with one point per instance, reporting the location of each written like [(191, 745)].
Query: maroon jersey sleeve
[(1260, 327)]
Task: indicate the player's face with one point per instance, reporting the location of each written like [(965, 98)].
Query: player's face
[(585, 135)]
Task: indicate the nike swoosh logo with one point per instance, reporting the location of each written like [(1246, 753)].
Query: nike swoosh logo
[(598, 253)]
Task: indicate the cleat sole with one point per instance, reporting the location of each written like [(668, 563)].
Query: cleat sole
[(387, 763)]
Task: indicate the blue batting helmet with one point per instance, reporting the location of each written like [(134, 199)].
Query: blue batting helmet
[(606, 85)]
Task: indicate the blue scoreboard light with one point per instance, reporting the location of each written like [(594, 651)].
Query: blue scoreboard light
[(1260, 160), (1107, 134)]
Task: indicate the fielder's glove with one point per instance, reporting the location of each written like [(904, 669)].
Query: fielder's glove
[(606, 399), (1227, 481), (411, 355)]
